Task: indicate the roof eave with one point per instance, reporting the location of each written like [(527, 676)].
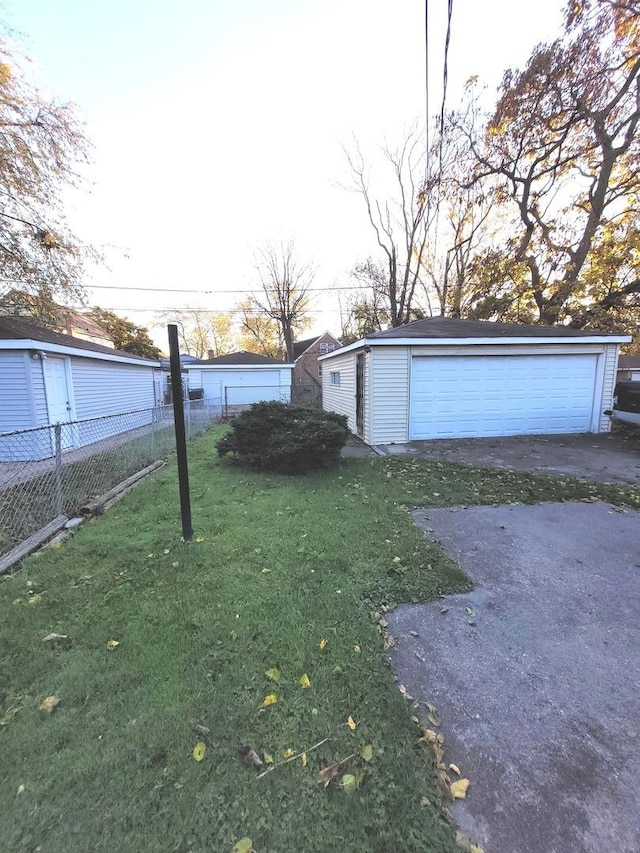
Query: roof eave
[(59, 349), (422, 342)]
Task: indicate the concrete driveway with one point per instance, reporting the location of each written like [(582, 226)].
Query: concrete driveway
[(537, 683), (606, 457)]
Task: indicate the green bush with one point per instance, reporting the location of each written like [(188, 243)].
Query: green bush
[(283, 437)]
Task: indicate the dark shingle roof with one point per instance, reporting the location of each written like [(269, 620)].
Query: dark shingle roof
[(302, 346), (15, 328), (447, 327), (629, 362), (242, 357)]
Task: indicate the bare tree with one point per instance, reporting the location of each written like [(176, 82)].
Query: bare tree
[(285, 283), (400, 221), (201, 331)]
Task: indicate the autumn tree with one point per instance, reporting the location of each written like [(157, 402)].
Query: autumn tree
[(258, 332), (284, 298), (201, 331), (563, 148), (41, 147), (125, 335)]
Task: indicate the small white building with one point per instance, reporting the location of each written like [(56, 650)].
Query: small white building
[(48, 378), (236, 380), (629, 368), (448, 378)]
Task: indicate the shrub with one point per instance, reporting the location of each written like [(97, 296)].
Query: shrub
[(291, 439)]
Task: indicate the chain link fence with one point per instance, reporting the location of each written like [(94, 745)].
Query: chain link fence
[(237, 398), (55, 470)]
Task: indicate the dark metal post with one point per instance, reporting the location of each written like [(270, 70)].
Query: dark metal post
[(181, 443)]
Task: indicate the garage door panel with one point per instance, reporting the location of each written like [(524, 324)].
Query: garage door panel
[(468, 396)]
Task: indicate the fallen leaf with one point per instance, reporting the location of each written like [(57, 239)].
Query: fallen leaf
[(455, 769), (199, 750), (288, 753), (250, 757), (351, 723), (425, 801), (199, 538), (268, 758), (328, 774), (444, 610), (166, 551), (112, 644), (428, 736), (265, 571), (269, 699), (245, 845), (202, 730), (304, 681), (366, 752), (273, 673), (348, 783), (35, 599), (357, 649), (322, 644), (49, 704), (414, 633), (459, 789), (21, 789), (465, 844), (303, 759), (470, 611), (52, 638)]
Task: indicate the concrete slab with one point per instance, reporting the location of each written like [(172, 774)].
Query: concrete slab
[(609, 458), (538, 687)]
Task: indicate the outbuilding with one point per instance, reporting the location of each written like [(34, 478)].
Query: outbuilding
[(48, 378), (236, 380), (449, 378)]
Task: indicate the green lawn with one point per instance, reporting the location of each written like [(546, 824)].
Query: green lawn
[(284, 564)]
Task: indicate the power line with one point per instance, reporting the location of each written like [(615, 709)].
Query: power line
[(208, 292), (254, 312)]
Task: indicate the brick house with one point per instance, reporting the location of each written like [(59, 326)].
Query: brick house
[(307, 373)]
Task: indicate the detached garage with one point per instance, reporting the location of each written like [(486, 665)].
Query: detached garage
[(447, 378), (236, 380)]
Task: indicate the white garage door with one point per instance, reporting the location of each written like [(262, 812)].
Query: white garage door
[(242, 386), (469, 396)]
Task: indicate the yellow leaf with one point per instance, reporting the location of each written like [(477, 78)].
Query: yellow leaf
[(425, 801), (175, 564), (199, 750), (348, 783), (289, 752), (35, 599), (357, 649), (455, 769), (367, 752), (49, 704), (265, 571), (459, 789), (351, 723), (429, 736), (245, 845), (273, 673), (322, 644), (304, 681), (112, 644), (268, 759), (21, 789), (465, 843), (149, 556), (199, 538), (166, 551), (303, 759), (269, 699)]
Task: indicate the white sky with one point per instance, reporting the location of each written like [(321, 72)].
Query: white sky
[(217, 125)]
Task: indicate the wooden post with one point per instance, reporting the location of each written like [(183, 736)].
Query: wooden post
[(181, 443)]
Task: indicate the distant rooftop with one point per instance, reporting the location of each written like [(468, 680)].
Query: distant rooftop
[(241, 357)]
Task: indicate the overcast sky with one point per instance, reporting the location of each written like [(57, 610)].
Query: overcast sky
[(217, 125)]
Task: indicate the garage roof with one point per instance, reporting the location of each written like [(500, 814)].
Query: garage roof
[(249, 359), (447, 330)]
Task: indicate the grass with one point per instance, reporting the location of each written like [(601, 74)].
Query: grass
[(283, 564)]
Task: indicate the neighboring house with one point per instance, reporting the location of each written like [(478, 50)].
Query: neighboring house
[(48, 378), (240, 378), (447, 378), (629, 368), (67, 321), (307, 370)]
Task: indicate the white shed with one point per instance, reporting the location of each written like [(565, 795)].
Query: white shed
[(239, 379), (49, 378), (448, 378)]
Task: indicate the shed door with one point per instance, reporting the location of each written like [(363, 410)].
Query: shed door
[(59, 400), (472, 396)]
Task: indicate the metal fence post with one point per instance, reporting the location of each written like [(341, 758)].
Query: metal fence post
[(57, 432), (187, 404)]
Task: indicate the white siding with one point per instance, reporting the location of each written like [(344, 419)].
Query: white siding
[(389, 395), (611, 352), (38, 394), (15, 404), (340, 398)]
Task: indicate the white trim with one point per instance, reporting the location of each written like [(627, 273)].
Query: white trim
[(470, 342), (275, 366), (59, 349)]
